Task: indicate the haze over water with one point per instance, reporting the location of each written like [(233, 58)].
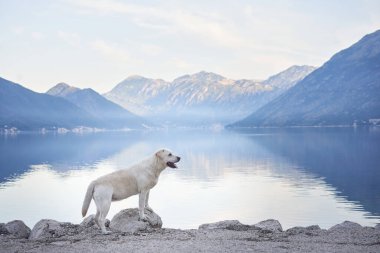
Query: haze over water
[(299, 176)]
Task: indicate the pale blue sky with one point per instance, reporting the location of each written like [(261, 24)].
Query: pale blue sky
[(91, 43)]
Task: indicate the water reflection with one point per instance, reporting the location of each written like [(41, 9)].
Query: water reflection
[(348, 159), (18, 152), (300, 177)]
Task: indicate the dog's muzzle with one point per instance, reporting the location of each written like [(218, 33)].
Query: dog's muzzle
[(173, 164)]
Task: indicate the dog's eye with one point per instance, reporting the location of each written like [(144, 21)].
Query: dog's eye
[(170, 154)]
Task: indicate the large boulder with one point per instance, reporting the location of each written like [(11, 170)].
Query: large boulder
[(127, 220), (226, 224), (3, 229), (346, 226), (18, 229), (50, 229), (269, 225), (89, 221), (310, 230)]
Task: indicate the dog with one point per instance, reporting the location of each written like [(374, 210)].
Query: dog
[(121, 184)]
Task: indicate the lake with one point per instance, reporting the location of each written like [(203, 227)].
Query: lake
[(299, 176)]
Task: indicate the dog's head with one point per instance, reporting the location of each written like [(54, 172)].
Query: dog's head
[(168, 158)]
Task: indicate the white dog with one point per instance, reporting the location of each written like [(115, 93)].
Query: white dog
[(138, 179)]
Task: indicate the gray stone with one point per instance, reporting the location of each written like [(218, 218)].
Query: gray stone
[(47, 229), (89, 221), (310, 230), (3, 229), (377, 226), (346, 225), (269, 225), (226, 224), (18, 229), (127, 220)]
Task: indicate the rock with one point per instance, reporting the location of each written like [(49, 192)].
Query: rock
[(310, 230), (346, 225), (270, 225), (226, 224), (18, 229), (127, 220), (3, 229), (377, 226), (50, 229), (89, 221)]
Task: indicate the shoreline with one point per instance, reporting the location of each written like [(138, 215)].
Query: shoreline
[(129, 234)]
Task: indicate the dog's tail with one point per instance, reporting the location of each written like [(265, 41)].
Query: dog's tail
[(87, 198)]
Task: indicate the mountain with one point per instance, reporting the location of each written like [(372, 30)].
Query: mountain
[(111, 114), (289, 77), (62, 90), (201, 98), (138, 94), (345, 90), (29, 110)]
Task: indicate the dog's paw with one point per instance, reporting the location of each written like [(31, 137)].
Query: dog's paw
[(106, 232), (143, 218)]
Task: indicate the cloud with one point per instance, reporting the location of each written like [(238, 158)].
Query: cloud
[(111, 51), (18, 30), (37, 35), (150, 49), (181, 64), (72, 39), (210, 29), (218, 31), (22, 31)]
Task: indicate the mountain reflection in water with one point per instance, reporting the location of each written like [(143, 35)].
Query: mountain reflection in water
[(300, 176)]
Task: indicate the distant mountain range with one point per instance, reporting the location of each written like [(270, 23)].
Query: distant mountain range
[(110, 114), (344, 91), (203, 98), (200, 99)]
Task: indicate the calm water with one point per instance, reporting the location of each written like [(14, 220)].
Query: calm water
[(300, 176)]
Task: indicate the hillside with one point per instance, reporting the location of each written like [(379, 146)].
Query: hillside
[(28, 110), (344, 91), (111, 114)]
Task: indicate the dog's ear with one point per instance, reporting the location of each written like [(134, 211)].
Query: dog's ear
[(158, 153)]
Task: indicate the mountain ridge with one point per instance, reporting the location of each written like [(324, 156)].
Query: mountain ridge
[(213, 97)]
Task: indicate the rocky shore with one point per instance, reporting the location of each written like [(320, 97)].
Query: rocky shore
[(131, 235)]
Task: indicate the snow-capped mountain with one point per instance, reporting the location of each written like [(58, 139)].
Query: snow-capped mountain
[(138, 94), (344, 91), (202, 97), (289, 77)]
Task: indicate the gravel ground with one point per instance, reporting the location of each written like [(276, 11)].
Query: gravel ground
[(222, 237)]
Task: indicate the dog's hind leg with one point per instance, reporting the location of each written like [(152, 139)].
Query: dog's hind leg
[(102, 198), (97, 215)]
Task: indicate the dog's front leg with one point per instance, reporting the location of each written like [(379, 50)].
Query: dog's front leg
[(142, 198), (147, 207)]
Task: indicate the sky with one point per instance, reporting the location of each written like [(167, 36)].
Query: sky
[(98, 43)]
